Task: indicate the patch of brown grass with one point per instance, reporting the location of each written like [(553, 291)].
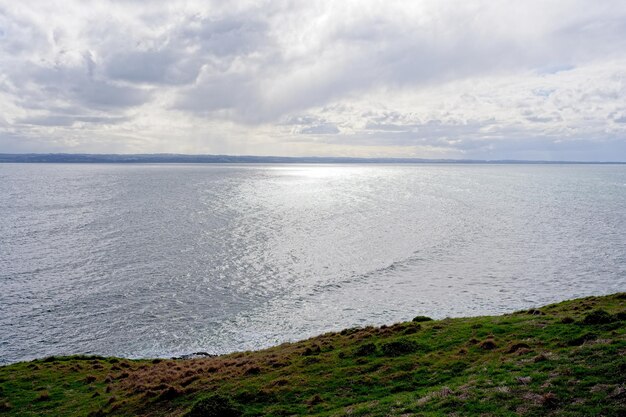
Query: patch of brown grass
[(89, 379), (170, 393), (517, 346)]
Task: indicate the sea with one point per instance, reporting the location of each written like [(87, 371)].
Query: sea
[(162, 260)]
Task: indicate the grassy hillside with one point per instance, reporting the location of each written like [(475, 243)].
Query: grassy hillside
[(567, 359)]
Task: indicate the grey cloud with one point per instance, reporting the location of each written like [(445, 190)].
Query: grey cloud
[(538, 119), (65, 120), (579, 149), (394, 121), (321, 129), (436, 133), (219, 92), (18, 35), (75, 85), (301, 120), (101, 94), (554, 69), (291, 66), (601, 32), (254, 73), (183, 50), (311, 125), (159, 67), (234, 35), (379, 50), (388, 127), (469, 142)]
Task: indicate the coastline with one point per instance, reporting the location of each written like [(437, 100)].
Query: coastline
[(562, 359)]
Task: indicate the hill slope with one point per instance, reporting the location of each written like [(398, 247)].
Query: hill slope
[(566, 359)]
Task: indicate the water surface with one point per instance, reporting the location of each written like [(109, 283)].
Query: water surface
[(160, 260)]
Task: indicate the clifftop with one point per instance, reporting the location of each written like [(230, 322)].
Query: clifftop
[(562, 359)]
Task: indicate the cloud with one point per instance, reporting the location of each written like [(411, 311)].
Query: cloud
[(153, 67), (283, 77), (321, 129), (65, 120)]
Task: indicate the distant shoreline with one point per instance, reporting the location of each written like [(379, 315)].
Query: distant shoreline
[(249, 159)]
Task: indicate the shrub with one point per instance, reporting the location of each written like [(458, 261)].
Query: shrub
[(365, 350), (598, 317), (214, 406), (418, 319), (399, 347)]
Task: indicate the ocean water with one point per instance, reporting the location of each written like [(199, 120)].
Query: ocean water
[(162, 260)]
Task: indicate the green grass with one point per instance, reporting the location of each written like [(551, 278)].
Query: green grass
[(565, 359)]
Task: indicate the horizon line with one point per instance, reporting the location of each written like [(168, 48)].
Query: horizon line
[(65, 157)]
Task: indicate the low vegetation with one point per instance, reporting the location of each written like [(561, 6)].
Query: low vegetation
[(566, 359)]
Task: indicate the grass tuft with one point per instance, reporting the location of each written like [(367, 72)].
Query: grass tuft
[(43, 396), (366, 349), (214, 406), (399, 347), (488, 344)]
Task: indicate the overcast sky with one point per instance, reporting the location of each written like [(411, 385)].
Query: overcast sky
[(434, 79)]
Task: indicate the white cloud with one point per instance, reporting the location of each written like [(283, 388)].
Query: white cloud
[(476, 79)]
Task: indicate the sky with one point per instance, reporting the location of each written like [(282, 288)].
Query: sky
[(538, 80)]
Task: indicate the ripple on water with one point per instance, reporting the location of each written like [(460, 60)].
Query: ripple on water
[(140, 260)]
